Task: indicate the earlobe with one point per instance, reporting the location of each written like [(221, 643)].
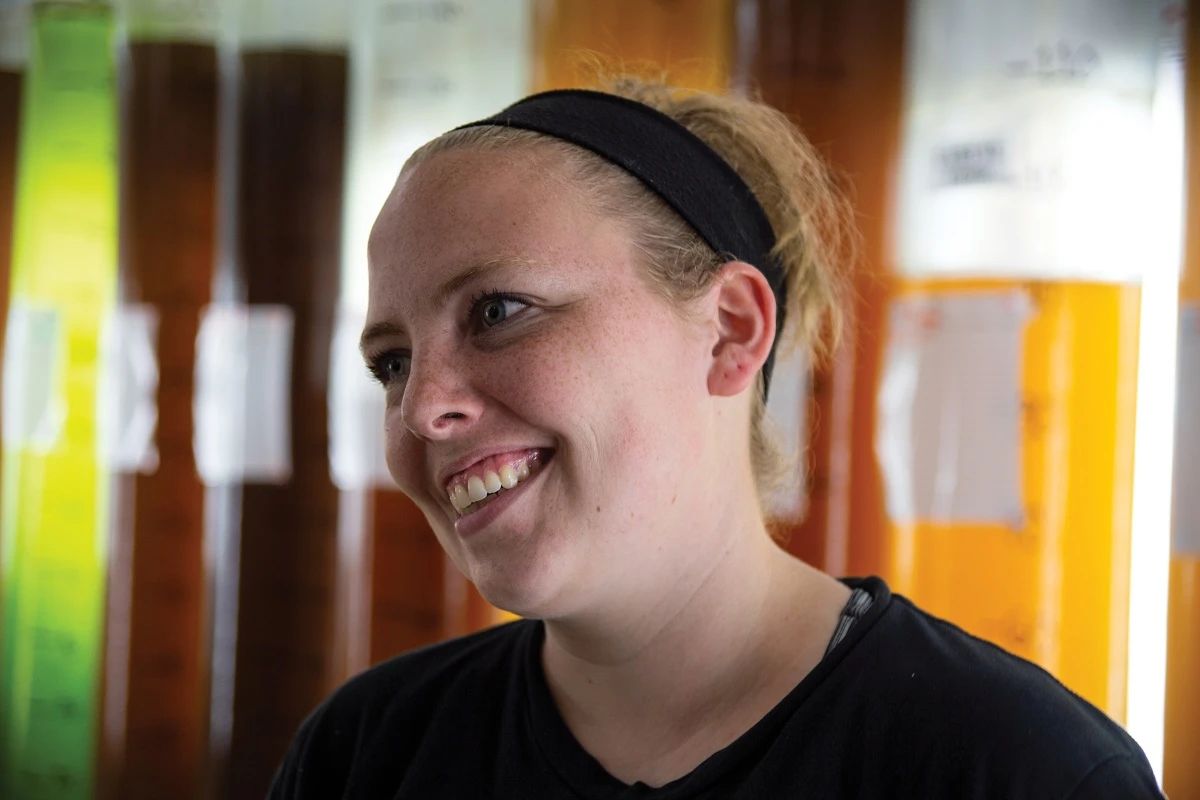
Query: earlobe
[(745, 324)]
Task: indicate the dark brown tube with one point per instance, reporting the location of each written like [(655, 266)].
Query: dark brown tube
[(407, 578), (836, 67), (397, 588), (155, 703), (10, 114), (291, 128)]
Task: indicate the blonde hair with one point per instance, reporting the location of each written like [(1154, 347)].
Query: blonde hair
[(814, 237)]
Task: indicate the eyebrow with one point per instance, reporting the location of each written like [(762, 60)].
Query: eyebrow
[(452, 284)]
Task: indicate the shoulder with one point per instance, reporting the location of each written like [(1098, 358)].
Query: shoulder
[(984, 716), (390, 706), (970, 680)]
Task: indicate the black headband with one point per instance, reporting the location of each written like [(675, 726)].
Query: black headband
[(673, 162)]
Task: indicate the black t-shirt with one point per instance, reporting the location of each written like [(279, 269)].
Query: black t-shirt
[(906, 705)]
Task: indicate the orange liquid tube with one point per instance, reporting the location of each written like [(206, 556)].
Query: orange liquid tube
[(275, 541), (155, 701), (1051, 583), (836, 69), (1181, 771), (687, 40), (1181, 768), (1005, 407)]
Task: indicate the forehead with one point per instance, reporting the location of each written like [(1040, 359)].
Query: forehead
[(448, 202), (464, 208)]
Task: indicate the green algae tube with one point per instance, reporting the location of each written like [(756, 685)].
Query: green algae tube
[(54, 498)]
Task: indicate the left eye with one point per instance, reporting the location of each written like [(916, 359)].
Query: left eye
[(495, 310)]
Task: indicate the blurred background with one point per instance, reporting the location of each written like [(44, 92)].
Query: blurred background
[(199, 539)]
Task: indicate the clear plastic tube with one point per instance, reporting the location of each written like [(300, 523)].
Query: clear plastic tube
[(1181, 771), (275, 506), (1009, 198), (418, 70), (54, 498), (156, 650)]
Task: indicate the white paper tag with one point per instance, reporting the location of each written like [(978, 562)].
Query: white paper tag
[(787, 410), (242, 407), (357, 457), (1013, 114), (128, 404), (34, 407), (1186, 512), (949, 406)]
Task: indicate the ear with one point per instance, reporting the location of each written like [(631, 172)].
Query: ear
[(745, 321)]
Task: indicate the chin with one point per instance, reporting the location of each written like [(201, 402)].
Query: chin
[(527, 590)]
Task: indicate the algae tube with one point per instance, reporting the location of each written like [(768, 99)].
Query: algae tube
[(265, 357), (155, 655), (1181, 769), (418, 69), (689, 40), (836, 68), (54, 495), (1005, 404)]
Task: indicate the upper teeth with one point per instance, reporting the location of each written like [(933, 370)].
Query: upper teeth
[(478, 487)]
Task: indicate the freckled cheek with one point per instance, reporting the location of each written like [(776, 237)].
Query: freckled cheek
[(539, 386), (575, 386), (403, 458)]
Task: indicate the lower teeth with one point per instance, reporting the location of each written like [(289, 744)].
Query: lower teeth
[(480, 503)]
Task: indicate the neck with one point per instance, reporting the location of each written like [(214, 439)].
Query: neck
[(719, 645)]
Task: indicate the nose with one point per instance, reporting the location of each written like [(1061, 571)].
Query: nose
[(438, 401)]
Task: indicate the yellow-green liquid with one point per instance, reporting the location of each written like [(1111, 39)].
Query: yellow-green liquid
[(54, 498)]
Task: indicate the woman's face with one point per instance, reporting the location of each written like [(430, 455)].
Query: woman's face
[(527, 362)]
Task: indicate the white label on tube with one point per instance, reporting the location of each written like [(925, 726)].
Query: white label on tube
[(1027, 133), (34, 408), (243, 394), (128, 406), (1186, 512), (787, 414), (949, 405), (356, 407)]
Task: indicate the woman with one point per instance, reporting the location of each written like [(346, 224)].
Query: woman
[(574, 310)]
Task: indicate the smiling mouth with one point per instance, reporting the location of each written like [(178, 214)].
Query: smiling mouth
[(486, 481)]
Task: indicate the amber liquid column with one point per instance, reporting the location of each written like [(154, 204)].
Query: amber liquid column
[(155, 679), (835, 67), (689, 40), (1005, 415), (292, 107)]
